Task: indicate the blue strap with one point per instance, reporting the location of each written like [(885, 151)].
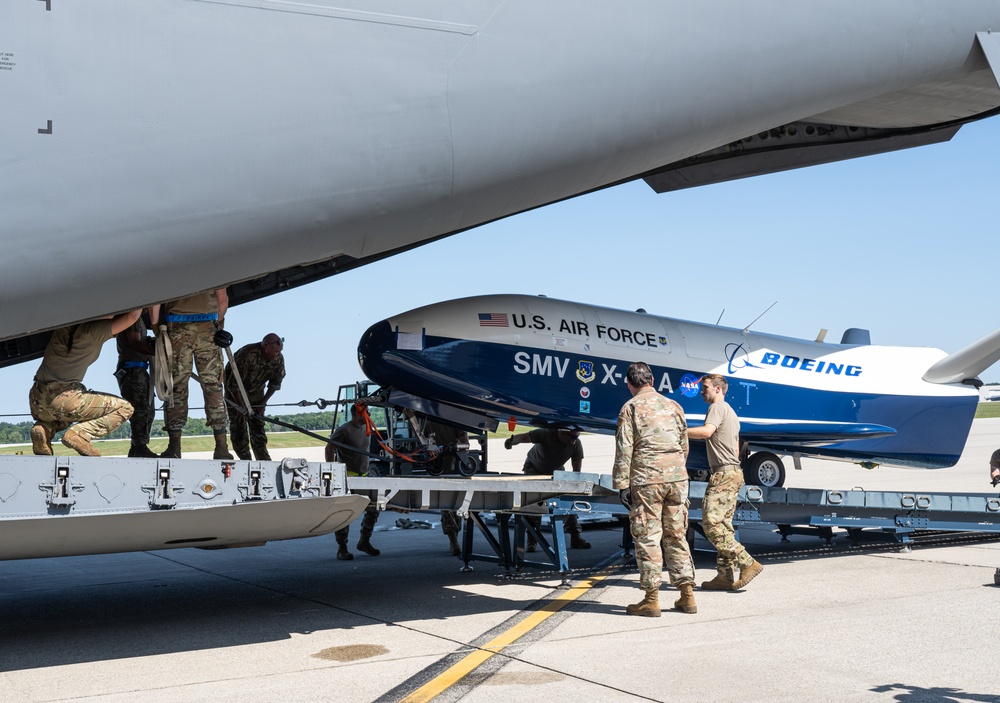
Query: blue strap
[(134, 365), (204, 317)]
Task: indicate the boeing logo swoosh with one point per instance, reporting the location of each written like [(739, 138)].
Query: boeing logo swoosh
[(738, 357)]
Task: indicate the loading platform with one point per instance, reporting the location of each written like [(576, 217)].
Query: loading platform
[(57, 506), (898, 515), (65, 506)]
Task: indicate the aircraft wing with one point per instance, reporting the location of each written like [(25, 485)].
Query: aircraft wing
[(384, 130), (807, 433), (968, 362), (920, 115)]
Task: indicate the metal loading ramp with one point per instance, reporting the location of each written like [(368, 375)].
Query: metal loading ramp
[(896, 513), (814, 511)]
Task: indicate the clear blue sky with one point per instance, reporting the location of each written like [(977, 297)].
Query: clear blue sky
[(904, 244)]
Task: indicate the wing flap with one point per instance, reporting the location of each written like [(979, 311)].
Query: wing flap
[(806, 433)]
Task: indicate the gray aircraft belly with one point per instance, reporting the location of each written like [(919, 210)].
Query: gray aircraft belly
[(64, 506), (217, 526), (154, 148)]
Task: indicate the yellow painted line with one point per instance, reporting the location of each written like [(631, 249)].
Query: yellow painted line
[(477, 658)]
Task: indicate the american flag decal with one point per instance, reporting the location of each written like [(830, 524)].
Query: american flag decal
[(493, 319)]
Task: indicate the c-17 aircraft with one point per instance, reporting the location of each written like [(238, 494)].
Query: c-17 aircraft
[(547, 362), (151, 149)]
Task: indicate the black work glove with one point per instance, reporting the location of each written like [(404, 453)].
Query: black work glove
[(508, 443), (625, 496), (223, 339)]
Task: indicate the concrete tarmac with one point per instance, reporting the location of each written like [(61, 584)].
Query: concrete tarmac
[(289, 622)]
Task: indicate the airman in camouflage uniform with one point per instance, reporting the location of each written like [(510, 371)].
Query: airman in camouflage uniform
[(445, 435), (354, 434), (58, 397), (191, 326), (135, 351), (721, 432), (550, 450), (651, 448), (260, 365)]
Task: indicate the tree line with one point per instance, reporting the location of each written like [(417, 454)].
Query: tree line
[(319, 422)]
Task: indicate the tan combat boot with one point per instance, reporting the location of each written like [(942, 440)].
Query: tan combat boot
[(79, 442), (173, 450), (41, 440), (747, 575), (723, 581), (456, 548), (221, 447), (648, 607), (686, 603)]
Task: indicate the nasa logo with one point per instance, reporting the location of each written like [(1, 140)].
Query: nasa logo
[(585, 392), (690, 385), (585, 371), (585, 406)]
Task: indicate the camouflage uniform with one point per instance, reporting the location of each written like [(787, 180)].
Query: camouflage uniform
[(357, 465), (368, 520), (717, 509), (256, 372), (195, 340), (451, 524), (724, 484), (58, 397), (547, 455), (651, 448), (133, 382)]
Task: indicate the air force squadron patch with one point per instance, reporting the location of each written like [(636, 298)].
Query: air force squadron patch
[(585, 371)]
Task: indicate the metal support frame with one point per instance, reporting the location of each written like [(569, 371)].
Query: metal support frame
[(508, 551)]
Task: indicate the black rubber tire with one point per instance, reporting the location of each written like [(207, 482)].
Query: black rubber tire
[(698, 474), (764, 469), (469, 467)]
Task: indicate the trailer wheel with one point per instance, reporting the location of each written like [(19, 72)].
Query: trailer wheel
[(764, 469), (698, 474), (378, 469), (467, 467)]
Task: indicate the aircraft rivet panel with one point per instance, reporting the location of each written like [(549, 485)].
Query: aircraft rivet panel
[(92, 485)]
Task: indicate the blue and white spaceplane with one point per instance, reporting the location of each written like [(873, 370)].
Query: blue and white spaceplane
[(550, 362)]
